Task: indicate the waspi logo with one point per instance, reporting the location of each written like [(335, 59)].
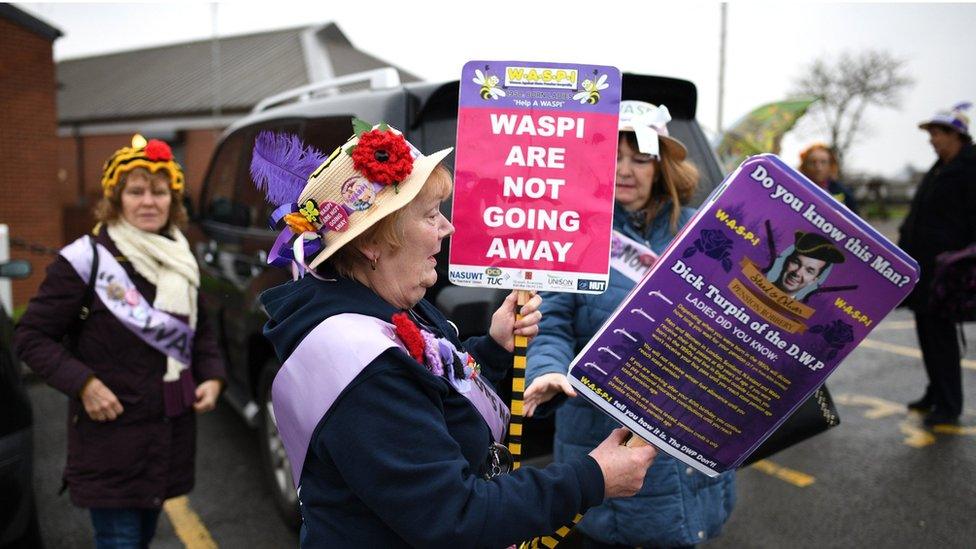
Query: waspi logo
[(541, 77)]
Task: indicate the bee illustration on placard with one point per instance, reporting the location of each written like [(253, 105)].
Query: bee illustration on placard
[(488, 83), (591, 89)]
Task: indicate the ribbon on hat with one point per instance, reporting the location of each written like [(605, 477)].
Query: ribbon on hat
[(647, 126)]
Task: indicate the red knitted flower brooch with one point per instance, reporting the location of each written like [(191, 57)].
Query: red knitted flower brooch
[(381, 155), (158, 151), (409, 334)]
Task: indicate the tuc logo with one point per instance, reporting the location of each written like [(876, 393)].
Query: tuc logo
[(494, 276)]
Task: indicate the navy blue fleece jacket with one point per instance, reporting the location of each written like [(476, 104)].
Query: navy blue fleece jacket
[(399, 459)]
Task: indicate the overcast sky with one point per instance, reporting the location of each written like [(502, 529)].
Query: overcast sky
[(767, 44)]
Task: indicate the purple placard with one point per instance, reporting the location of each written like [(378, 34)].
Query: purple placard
[(748, 311), (539, 86)]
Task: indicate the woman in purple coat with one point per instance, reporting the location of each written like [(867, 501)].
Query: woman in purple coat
[(132, 351)]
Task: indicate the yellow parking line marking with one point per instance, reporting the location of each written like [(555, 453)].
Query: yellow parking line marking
[(877, 407), (189, 528), (954, 430), (904, 350), (796, 478), (915, 436)]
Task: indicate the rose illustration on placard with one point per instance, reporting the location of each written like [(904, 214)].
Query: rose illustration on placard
[(837, 334), (714, 244)]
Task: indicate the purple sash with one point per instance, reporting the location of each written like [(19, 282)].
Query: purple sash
[(161, 331), (326, 362), (629, 257), (481, 395)]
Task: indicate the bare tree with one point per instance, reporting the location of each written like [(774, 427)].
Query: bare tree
[(848, 85)]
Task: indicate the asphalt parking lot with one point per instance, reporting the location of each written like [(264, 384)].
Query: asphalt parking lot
[(879, 479)]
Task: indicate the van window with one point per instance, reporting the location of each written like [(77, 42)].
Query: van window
[(218, 203), (327, 133)]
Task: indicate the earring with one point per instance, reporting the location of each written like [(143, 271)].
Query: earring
[(372, 263)]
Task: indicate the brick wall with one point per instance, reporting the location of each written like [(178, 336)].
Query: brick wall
[(29, 187), (198, 147)]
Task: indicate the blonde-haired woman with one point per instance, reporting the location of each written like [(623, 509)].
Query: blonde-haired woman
[(676, 506), (142, 360)]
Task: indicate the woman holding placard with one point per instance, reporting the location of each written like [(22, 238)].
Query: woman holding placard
[(390, 422), (677, 506)]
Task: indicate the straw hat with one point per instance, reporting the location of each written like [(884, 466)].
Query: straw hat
[(649, 123), (372, 175)]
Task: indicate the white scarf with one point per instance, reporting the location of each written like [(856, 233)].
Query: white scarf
[(169, 265)]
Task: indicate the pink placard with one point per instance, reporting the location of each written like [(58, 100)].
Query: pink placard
[(533, 197)]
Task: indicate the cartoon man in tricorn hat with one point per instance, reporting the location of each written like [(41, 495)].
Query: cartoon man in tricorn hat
[(807, 263)]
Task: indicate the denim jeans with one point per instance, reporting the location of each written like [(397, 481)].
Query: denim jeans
[(124, 528)]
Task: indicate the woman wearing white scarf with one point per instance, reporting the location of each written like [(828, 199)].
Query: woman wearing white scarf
[(142, 361), (166, 262)]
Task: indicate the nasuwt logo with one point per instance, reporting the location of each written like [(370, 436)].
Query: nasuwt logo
[(541, 77), (466, 276)]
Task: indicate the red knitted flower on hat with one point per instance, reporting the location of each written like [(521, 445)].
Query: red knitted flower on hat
[(409, 334), (383, 157), (157, 151)]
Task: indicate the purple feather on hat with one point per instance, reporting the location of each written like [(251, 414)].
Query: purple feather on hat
[(281, 165)]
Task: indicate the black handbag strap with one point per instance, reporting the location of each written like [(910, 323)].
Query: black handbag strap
[(70, 339), (90, 289)]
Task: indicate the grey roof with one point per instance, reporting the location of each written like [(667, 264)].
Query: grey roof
[(29, 22), (179, 79)]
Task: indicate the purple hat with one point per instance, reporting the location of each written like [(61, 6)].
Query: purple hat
[(954, 119)]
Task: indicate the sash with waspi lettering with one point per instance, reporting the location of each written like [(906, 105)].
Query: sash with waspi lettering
[(629, 257), (326, 362), (161, 331)]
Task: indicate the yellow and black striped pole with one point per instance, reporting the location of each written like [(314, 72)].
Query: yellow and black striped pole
[(554, 539), (518, 388), (515, 425)]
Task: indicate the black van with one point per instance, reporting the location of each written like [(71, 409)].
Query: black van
[(233, 214), (19, 526)]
